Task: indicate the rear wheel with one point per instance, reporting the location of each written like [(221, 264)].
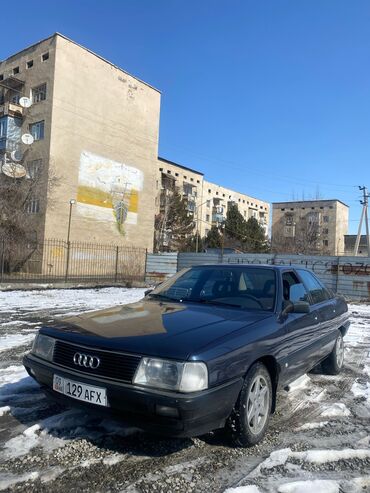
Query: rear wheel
[(333, 364), (250, 417)]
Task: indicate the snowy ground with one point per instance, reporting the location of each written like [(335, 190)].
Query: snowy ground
[(319, 439)]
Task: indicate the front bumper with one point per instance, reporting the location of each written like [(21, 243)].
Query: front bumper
[(168, 413)]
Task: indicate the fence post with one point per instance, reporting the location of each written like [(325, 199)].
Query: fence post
[(146, 263), (116, 266), (67, 261), (2, 260)]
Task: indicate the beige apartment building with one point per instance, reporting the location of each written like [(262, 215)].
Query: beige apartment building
[(95, 135), (206, 201), (309, 227)]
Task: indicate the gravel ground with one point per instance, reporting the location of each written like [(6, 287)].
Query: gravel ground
[(44, 447)]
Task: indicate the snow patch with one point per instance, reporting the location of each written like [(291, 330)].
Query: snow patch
[(317, 485), (300, 383), (7, 480), (312, 426), (336, 409), (4, 410), (13, 340), (361, 390), (244, 489)]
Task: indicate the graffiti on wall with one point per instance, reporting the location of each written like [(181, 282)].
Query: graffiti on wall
[(108, 190)]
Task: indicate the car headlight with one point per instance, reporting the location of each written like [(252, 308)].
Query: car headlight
[(43, 347), (172, 375)]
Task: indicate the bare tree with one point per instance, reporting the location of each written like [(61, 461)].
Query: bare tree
[(24, 187)]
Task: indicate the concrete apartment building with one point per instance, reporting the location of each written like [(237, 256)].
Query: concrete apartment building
[(95, 130), (309, 226), (207, 202)]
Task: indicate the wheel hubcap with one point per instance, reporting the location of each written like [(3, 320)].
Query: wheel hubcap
[(340, 351), (258, 404)]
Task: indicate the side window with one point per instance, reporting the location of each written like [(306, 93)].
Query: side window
[(293, 289), (316, 289)]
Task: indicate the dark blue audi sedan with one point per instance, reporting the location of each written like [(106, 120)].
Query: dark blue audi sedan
[(207, 349)]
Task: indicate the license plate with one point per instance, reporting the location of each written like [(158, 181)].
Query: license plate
[(80, 391)]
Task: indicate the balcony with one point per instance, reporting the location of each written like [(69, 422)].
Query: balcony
[(11, 109), (217, 218), (190, 206)]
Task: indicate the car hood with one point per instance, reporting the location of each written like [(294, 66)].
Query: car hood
[(155, 328)]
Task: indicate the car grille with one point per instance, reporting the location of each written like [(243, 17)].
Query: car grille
[(112, 365)]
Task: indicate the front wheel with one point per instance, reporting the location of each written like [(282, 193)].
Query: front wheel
[(333, 364), (250, 417)]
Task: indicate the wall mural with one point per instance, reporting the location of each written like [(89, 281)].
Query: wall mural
[(108, 190)]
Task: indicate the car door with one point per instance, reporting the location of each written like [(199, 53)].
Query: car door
[(325, 307), (299, 329)]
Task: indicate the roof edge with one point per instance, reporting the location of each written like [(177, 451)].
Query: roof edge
[(84, 48), (307, 201), (164, 160)]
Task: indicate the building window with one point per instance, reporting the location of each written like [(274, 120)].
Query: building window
[(289, 220), (29, 64), (325, 219), (45, 56), (39, 93), (34, 168), (209, 190), (325, 242), (3, 126), (37, 130), (207, 218), (185, 177), (208, 203), (1, 76), (15, 70), (282, 209), (191, 179), (160, 169), (33, 206), (176, 174), (216, 193), (198, 181), (325, 231)]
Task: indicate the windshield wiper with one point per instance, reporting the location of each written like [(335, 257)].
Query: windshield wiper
[(214, 302)]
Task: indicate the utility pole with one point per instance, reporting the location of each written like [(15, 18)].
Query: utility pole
[(364, 215)]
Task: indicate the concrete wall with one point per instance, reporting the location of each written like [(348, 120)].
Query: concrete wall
[(103, 121)]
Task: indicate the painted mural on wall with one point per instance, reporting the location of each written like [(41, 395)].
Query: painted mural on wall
[(108, 190)]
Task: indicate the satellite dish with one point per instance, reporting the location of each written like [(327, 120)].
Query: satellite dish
[(16, 155), (14, 170), (25, 102), (27, 139)]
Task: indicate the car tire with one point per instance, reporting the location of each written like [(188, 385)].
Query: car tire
[(249, 420), (333, 364)]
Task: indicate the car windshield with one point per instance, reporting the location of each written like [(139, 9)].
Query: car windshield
[(244, 287)]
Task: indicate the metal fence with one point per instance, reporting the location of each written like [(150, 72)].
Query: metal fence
[(160, 266), (57, 260), (346, 275)]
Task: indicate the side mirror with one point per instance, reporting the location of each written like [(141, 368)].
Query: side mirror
[(296, 307), (301, 307)]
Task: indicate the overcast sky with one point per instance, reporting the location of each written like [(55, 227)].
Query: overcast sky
[(269, 97)]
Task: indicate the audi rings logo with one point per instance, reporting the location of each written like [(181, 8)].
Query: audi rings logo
[(86, 360)]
